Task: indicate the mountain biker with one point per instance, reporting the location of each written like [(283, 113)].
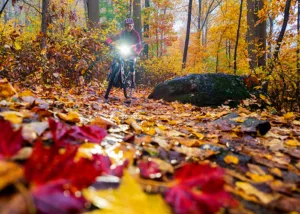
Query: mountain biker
[(130, 37)]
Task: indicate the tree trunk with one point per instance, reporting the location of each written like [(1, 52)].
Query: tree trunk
[(146, 31), (199, 15), (256, 35), (93, 12), (130, 7), (282, 31), (228, 52), (137, 16), (298, 40), (162, 35), (237, 37), (271, 23), (187, 37), (45, 7)]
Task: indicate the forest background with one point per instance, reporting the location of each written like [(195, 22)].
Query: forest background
[(58, 42)]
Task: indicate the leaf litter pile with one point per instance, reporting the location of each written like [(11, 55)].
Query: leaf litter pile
[(69, 152)]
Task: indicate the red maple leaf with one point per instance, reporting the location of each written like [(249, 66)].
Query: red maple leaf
[(199, 189), (149, 169), (56, 197), (10, 140), (53, 163), (63, 134)]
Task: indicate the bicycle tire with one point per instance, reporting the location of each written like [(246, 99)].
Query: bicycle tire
[(111, 81), (127, 90)]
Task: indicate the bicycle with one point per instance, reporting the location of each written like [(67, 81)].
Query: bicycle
[(120, 75)]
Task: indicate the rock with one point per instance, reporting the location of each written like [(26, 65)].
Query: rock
[(211, 89), (250, 125)]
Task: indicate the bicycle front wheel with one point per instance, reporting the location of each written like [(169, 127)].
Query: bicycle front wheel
[(127, 89)]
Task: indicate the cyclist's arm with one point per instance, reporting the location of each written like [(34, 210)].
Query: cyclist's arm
[(138, 46), (113, 38)]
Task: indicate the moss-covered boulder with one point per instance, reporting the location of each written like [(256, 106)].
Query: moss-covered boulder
[(211, 89)]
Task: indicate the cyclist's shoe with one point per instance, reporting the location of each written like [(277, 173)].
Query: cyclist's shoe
[(106, 100)]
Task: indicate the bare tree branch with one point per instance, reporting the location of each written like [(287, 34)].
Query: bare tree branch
[(2, 9), (32, 6), (210, 9)]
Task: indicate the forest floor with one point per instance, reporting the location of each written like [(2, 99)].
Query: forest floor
[(190, 156)]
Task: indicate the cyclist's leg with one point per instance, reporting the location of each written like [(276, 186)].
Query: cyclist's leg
[(132, 72)]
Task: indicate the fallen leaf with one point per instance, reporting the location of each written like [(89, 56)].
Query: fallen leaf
[(198, 188), (13, 116), (251, 190), (231, 159), (72, 116), (66, 200), (6, 89), (149, 169), (135, 202), (9, 173), (10, 140), (289, 115), (292, 143)]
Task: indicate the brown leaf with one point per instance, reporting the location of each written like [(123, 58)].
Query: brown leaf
[(287, 204)]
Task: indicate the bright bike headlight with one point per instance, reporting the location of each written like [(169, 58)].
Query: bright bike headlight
[(124, 50)]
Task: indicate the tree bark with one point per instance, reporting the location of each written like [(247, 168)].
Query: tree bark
[(45, 7), (271, 23), (199, 15), (256, 35), (187, 37), (298, 40), (93, 12), (130, 8), (137, 16), (237, 37), (146, 31)]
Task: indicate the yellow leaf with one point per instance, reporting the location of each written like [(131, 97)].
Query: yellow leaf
[(231, 159), (199, 135), (172, 122), (238, 119), (43, 52), (289, 115), (17, 46), (12, 116), (87, 150), (276, 171), (70, 117), (251, 190), (149, 130), (264, 98), (292, 143), (6, 89), (102, 122), (161, 127), (260, 178), (9, 173), (25, 93), (129, 198)]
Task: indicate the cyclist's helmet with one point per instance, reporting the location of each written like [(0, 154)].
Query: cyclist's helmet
[(128, 21)]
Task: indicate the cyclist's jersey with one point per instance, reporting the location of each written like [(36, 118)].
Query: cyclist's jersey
[(131, 38)]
